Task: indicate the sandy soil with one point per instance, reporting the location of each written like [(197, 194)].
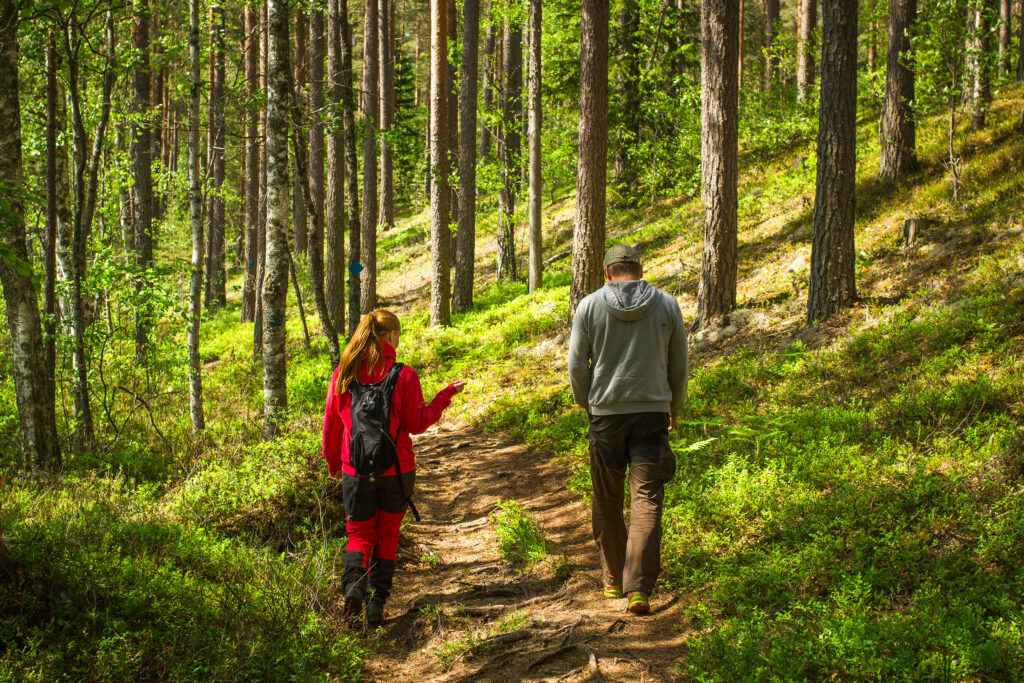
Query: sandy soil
[(452, 585)]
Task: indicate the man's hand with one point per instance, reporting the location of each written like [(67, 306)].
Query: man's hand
[(671, 422)]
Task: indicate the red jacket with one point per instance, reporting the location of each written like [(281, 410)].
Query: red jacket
[(409, 415)]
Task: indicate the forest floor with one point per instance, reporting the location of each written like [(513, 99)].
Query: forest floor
[(459, 612)]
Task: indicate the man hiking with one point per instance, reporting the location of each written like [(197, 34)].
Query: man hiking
[(628, 370)]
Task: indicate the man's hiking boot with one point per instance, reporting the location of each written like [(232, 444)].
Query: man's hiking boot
[(612, 591), (374, 612), (638, 603)]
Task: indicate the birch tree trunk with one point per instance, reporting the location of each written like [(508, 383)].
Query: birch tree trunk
[(536, 234), (591, 175), (716, 290), (275, 279), (252, 165), (38, 427), (368, 247), (440, 236), (832, 285), (215, 285), (195, 203), (465, 250), (261, 233), (141, 151), (899, 134)]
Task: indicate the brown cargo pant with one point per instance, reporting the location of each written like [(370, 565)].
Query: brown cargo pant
[(640, 440)]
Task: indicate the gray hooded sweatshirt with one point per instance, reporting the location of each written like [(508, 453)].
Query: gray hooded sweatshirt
[(627, 352)]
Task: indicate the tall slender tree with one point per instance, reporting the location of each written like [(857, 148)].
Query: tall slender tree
[(536, 235), (315, 166), (806, 48), (252, 163), (275, 278), (337, 173), (386, 82), (195, 203), (216, 289), (351, 173), (899, 129), (1005, 31), (488, 82), (591, 175), (38, 434), (980, 39), (509, 146), (141, 150), (371, 107), (300, 76), (261, 233), (771, 32), (157, 98), (465, 251), (832, 284), (440, 235), (627, 80), (52, 217), (716, 291), (452, 142)]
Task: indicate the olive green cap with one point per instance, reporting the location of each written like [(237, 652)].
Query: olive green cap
[(621, 253)]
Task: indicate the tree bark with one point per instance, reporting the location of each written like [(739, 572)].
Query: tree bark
[(315, 166), (52, 218), (509, 147), (261, 233), (386, 99), (465, 251), (488, 83), (872, 47), (981, 92), (215, 286), (628, 82), (33, 395), (452, 119), (716, 292), (195, 202), (368, 251), (300, 219), (1005, 31), (806, 48), (771, 30), (156, 140), (141, 151), (440, 235), (351, 175), (252, 165), (832, 285), (535, 114), (275, 279), (899, 132), (591, 175)]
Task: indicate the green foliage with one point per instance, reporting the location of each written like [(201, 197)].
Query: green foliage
[(521, 541)]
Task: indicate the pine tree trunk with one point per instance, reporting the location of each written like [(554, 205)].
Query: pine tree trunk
[(195, 202), (832, 285), (452, 118), (872, 47), (509, 148), (981, 96), (141, 151), (628, 84), (371, 107), (252, 166), (275, 279), (536, 234), (440, 235), (716, 292), (1005, 31), (806, 48), (771, 30), (338, 172), (488, 83), (899, 134), (300, 76), (215, 286), (386, 83), (156, 152), (351, 174), (33, 395), (465, 251)]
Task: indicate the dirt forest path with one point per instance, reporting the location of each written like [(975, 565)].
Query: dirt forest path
[(459, 612)]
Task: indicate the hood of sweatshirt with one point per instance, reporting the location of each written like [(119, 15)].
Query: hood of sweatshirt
[(628, 300)]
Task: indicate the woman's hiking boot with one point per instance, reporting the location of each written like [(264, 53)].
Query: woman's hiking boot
[(374, 612), (382, 574), (353, 582)]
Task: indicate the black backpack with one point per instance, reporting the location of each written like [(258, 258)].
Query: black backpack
[(372, 447)]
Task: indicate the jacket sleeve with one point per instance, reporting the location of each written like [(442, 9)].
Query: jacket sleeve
[(678, 361), (413, 416), (579, 360), (334, 429)]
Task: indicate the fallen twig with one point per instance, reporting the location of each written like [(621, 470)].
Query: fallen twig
[(552, 654), (595, 670)]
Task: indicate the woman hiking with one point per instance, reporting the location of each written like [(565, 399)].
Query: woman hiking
[(378, 471)]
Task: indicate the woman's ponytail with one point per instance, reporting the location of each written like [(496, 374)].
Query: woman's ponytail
[(365, 347)]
